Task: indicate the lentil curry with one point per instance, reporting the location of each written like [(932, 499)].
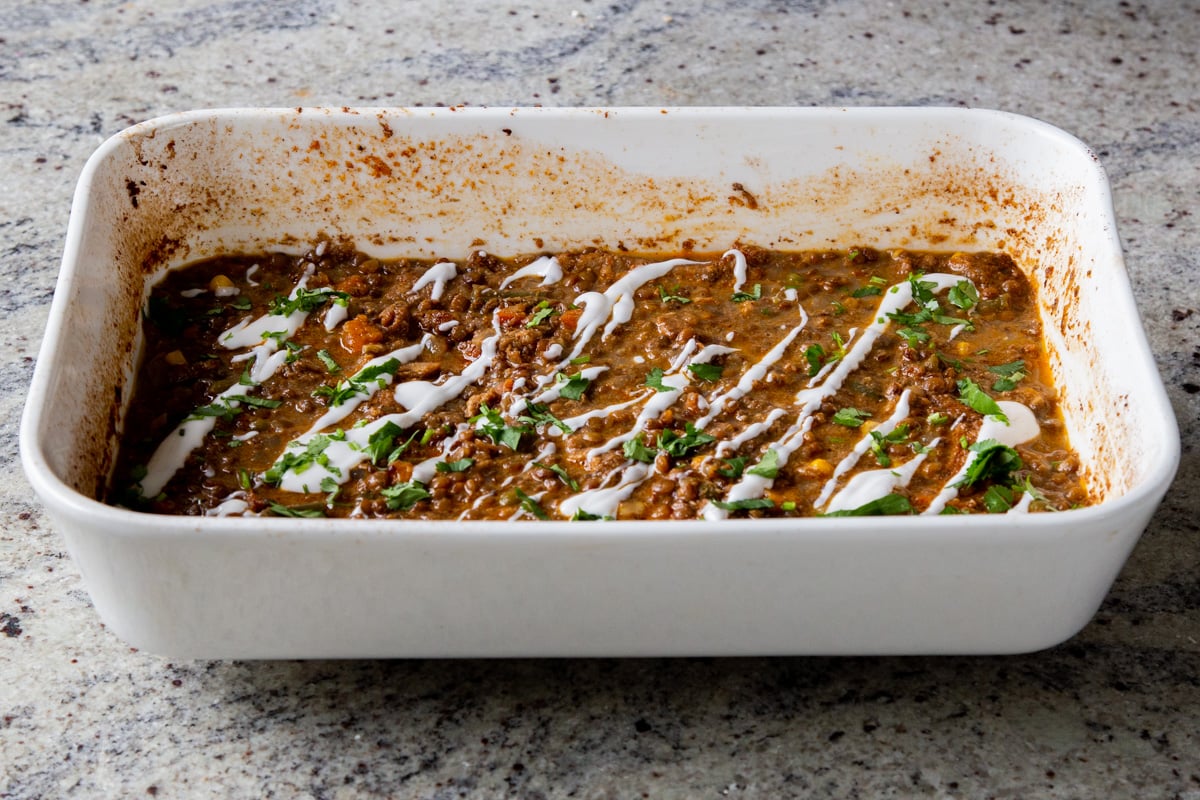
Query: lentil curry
[(596, 385)]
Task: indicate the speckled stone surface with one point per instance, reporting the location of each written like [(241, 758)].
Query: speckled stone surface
[(1111, 713)]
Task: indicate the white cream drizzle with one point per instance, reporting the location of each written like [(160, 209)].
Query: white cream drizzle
[(547, 268), (336, 315), (739, 267), (890, 424), (438, 275), (335, 414), (1021, 427), (604, 502), (417, 397), (875, 483), (810, 399)]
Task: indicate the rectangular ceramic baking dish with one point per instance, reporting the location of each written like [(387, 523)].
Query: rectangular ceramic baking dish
[(428, 183)]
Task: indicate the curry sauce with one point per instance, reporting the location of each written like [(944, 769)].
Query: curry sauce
[(596, 385)]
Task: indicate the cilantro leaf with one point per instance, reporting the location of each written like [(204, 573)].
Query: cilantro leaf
[(672, 298), (654, 379), (706, 372), (814, 354), (676, 445), (767, 466), (1010, 374), (881, 441), (403, 496), (541, 312), (851, 417), (755, 294), (745, 505), (586, 516), (540, 415), (993, 462), (530, 505), (734, 467), (888, 505), (636, 450), (491, 424), (328, 361), (572, 387), (294, 511), (562, 474), (977, 399), (462, 465), (998, 498), (963, 294)]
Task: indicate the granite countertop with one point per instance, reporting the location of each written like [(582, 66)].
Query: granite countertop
[(1112, 712)]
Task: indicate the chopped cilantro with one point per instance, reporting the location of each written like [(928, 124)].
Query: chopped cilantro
[(462, 465), (977, 399), (914, 336), (328, 361), (676, 445), (636, 450), (755, 294), (540, 415), (889, 504), (814, 354), (654, 379), (881, 441), (260, 402), (1010, 374), (672, 298), (993, 462), (530, 506), (541, 312), (305, 300), (586, 516), (706, 372), (573, 387), (867, 291), (404, 496), (745, 505), (851, 417), (492, 425), (294, 511), (767, 466), (964, 295), (562, 474), (998, 498), (938, 418), (734, 467)]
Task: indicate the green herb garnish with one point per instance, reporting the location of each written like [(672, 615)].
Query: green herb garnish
[(572, 387), (993, 462), (734, 467), (1010, 374), (636, 450), (328, 361), (530, 505), (755, 294), (745, 505), (888, 505), (706, 372), (851, 417), (404, 496), (978, 400), (461, 465), (491, 424), (672, 298), (673, 444), (654, 379), (562, 474), (767, 466)]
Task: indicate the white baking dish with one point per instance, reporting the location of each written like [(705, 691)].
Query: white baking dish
[(437, 182)]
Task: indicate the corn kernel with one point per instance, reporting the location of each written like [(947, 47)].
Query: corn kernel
[(175, 358), (963, 348), (219, 282), (819, 467)]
